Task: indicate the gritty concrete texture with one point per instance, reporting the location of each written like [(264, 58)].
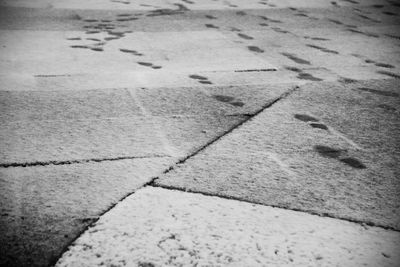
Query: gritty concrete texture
[(158, 227), (62, 105), (86, 86), (329, 148), (44, 141), (44, 208)]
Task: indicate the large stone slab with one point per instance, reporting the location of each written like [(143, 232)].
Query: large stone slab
[(330, 148), (158, 227), (44, 208)]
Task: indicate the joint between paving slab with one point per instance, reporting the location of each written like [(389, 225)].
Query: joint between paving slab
[(365, 224), (78, 161)]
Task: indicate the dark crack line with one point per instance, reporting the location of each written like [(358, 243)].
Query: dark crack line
[(77, 161), (320, 214)]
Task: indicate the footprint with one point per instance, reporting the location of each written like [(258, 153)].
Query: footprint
[(229, 100), (384, 65), (355, 163), (200, 79), (323, 49), (328, 151), (334, 153), (308, 76), (296, 59), (235, 29), (205, 82), (210, 17), (244, 36), (255, 49), (270, 20), (134, 52), (363, 33), (305, 118), (79, 46), (378, 92), (212, 26), (276, 29), (99, 49), (148, 64), (390, 74), (241, 13), (389, 13), (319, 126)]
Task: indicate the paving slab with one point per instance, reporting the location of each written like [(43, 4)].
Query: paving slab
[(158, 227), (330, 148), (44, 208)]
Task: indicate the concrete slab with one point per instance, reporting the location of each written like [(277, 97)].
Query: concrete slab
[(44, 208), (62, 105), (328, 149), (158, 227), (76, 140)]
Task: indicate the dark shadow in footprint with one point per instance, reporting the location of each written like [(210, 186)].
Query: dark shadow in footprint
[(296, 59), (328, 152), (133, 52), (355, 163), (244, 36), (228, 99), (319, 126), (210, 17), (336, 21), (255, 49), (148, 64), (389, 13), (323, 49), (276, 29), (305, 118), (237, 104), (241, 13), (379, 92), (384, 65), (264, 24), (293, 69), (198, 77), (223, 98), (212, 26), (319, 39), (390, 74), (79, 46), (308, 76), (74, 39), (205, 82), (99, 49), (387, 107)]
